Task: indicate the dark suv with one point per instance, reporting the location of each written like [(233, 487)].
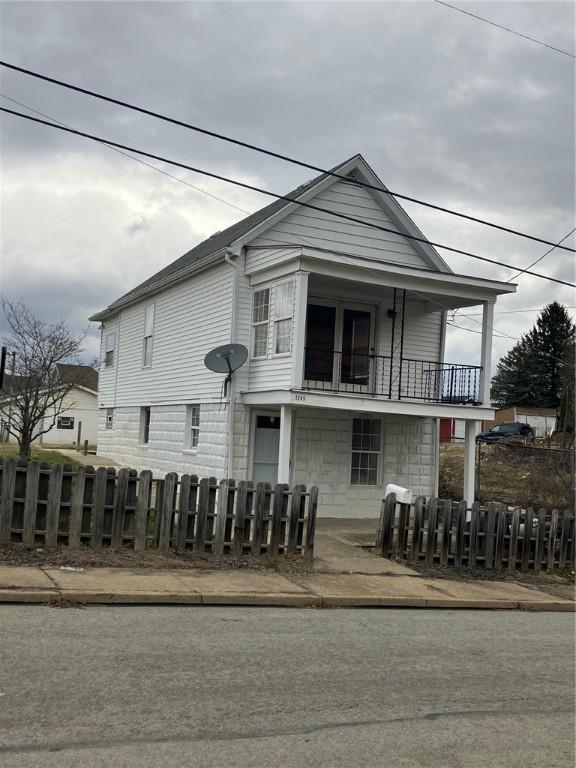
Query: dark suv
[(506, 430)]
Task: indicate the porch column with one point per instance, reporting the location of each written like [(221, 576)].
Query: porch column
[(284, 449), (471, 430), (299, 340), (486, 353)]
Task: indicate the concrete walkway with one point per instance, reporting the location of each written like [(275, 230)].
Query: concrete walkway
[(90, 459)]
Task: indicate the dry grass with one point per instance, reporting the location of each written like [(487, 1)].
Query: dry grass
[(10, 451), (514, 475)]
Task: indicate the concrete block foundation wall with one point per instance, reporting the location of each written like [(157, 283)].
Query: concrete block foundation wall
[(322, 457), (165, 450)]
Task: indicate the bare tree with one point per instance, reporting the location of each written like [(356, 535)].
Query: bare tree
[(34, 396)]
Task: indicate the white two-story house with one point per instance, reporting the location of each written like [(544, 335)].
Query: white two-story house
[(345, 324)]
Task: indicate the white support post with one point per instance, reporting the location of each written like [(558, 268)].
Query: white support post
[(471, 430), (486, 352), (299, 339), (284, 450)]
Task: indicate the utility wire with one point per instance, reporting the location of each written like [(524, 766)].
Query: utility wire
[(514, 311), (286, 158), (287, 198), (132, 157), (541, 257), (506, 29)]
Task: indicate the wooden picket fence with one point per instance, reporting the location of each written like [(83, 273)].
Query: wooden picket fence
[(46, 505), (488, 536)]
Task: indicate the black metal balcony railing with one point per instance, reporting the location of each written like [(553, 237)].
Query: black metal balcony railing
[(402, 379)]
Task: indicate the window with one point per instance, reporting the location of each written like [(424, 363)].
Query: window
[(144, 425), (192, 427), (65, 422), (109, 418), (109, 350), (284, 309), (366, 440), (148, 334), (260, 314)]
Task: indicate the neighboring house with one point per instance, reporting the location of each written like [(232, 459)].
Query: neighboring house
[(542, 420), (452, 430), (80, 408), (345, 324)]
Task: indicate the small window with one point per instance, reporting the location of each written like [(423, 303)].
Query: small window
[(260, 315), (148, 335), (109, 418), (109, 350), (283, 312), (65, 422), (144, 425), (366, 443), (193, 427)]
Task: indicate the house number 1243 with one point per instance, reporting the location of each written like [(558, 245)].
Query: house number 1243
[(300, 397)]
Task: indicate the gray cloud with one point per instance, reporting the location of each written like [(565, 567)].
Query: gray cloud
[(443, 107)]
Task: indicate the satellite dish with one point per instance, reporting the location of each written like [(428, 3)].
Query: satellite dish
[(226, 359)]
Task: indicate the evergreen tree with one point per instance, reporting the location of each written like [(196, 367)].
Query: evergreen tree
[(531, 373)]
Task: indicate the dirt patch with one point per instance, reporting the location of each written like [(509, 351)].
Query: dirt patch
[(561, 584), (47, 557)]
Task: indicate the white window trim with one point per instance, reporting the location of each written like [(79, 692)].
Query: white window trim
[(379, 453), (259, 323), (111, 335), (149, 336), (280, 317), (188, 449)]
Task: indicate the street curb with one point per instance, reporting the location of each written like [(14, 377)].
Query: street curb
[(308, 600)]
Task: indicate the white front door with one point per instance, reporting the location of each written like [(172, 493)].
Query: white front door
[(266, 443)]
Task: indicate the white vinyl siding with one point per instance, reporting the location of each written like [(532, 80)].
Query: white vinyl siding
[(190, 319), (317, 229)]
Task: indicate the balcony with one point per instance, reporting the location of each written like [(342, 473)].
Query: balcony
[(374, 375)]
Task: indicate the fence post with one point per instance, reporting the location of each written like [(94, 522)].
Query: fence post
[(491, 518), (167, 510), (514, 528), (552, 540), (419, 507), (311, 523), (7, 499), (540, 539), (446, 531), (473, 534), (460, 530), (564, 539), (388, 529), (227, 488), (278, 514), (296, 509), (118, 510), (183, 506), (403, 525), (98, 511), (76, 508), (527, 540), (240, 517), (500, 536), (142, 508), (432, 522), (31, 503)]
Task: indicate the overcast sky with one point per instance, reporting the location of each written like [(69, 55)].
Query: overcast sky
[(442, 106)]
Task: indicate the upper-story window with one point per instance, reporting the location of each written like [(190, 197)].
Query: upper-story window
[(109, 350), (283, 312), (148, 335), (260, 315)]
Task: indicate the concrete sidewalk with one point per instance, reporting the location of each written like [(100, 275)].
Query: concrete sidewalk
[(236, 587), (344, 573)]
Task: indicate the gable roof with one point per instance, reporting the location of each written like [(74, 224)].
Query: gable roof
[(253, 224), (79, 375)]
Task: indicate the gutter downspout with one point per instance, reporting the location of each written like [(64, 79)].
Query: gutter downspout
[(229, 258)]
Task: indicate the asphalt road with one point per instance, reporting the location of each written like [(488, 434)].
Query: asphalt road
[(217, 687)]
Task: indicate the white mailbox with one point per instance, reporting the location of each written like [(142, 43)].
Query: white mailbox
[(403, 495)]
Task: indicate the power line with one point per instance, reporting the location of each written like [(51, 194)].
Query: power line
[(132, 157), (514, 311), (506, 29), (270, 153), (287, 198), (541, 257)]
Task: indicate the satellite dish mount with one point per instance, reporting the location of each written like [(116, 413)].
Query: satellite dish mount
[(226, 359)]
